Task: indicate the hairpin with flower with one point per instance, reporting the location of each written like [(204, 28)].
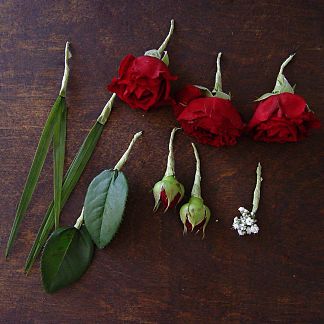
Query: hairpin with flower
[(281, 115), (144, 82), (169, 190), (247, 222), (195, 214), (209, 116)]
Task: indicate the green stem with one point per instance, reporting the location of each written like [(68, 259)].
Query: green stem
[(167, 39), (125, 156), (218, 77), (196, 188), (65, 79), (170, 165), (257, 190)]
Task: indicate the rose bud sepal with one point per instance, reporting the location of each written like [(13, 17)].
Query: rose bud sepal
[(195, 214), (168, 190)]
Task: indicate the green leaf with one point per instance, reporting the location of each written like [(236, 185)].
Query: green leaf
[(205, 91), (59, 138), (71, 178), (282, 85), (265, 96), (66, 257), (221, 94), (104, 206), (165, 58), (154, 53), (34, 172)]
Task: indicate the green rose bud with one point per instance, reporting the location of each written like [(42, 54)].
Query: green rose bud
[(169, 190), (195, 214)]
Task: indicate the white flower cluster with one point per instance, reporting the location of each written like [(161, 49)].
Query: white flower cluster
[(246, 223)]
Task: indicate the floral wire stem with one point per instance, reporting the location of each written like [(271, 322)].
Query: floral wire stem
[(282, 85), (257, 190), (79, 221), (218, 77), (167, 39), (285, 63), (246, 223), (103, 117), (196, 188), (68, 55), (170, 164), (124, 158)]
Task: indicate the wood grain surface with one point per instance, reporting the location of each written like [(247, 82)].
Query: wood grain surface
[(151, 273)]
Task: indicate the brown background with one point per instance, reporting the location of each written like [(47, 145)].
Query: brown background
[(150, 273)]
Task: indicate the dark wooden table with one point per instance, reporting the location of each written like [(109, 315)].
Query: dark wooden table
[(150, 273)]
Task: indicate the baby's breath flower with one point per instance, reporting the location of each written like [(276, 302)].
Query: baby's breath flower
[(246, 223)]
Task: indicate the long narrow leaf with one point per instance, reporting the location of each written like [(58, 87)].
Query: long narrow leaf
[(59, 138), (34, 172), (71, 178)]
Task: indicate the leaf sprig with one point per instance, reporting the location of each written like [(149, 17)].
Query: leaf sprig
[(68, 252)]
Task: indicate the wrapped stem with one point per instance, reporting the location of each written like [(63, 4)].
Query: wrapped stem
[(218, 77), (124, 158), (65, 79), (102, 119), (196, 188), (167, 39), (285, 63), (257, 190), (79, 221), (170, 165), (282, 84)]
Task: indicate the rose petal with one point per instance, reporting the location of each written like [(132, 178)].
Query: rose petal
[(264, 110), (125, 64), (151, 67), (291, 104)]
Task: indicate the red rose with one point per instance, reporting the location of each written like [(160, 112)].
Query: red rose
[(211, 120), (282, 118), (143, 82)]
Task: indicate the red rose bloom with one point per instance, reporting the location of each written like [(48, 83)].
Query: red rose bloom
[(211, 120), (282, 118), (143, 82)]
